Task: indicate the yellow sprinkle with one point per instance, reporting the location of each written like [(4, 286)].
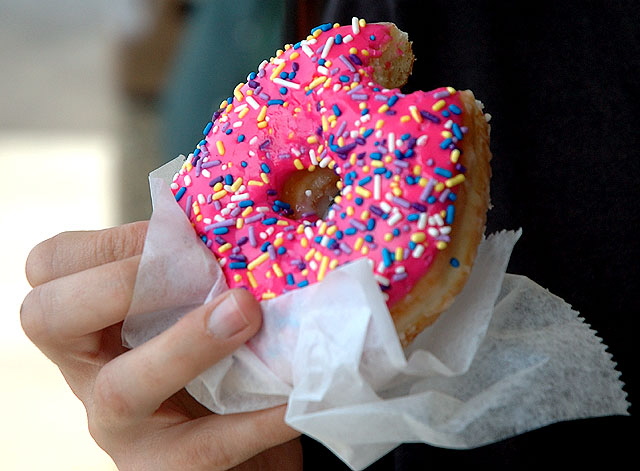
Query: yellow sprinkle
[(225, 247), (265, 177), (439, 186), (268, 295), (281, 222), (262, 114), (353, 50), (417, 170), (359, 243), (323, 228), (379, 123), (451, 182), (405, 118), (377, 163), (229, 108), (317, 81), (317, 256), (239, 223), (236, 184), (268, 274), (423, 182), (243, 112), (298, 163), (199, 217), (332, 230), (220, 146), (333, 264), (388, 237), (415, 114), (323, 267), (258, 260), (219, 194), (278, 69), (255, 183), (365, 215), (441, 245), (364, 250), (362, 22), (455, 155), (397, 192), (363, 192), (309, 255), (304, 242), (418, 237), (350, 210), (399, 253), (237, 93), (252, 280), (237, 278), (451, 90), (438, 105), (383, 109), (446, 134), (277, 270)]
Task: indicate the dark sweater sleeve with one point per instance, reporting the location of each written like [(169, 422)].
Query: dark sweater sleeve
[(561, 81)]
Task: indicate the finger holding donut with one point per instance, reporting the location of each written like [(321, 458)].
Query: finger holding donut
[(137, 412)]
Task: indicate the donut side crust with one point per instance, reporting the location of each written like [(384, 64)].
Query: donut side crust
[(435, 291)]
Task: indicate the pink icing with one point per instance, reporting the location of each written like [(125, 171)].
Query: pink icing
[(314, 105)]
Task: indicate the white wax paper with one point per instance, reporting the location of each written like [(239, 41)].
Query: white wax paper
[(507, 357)]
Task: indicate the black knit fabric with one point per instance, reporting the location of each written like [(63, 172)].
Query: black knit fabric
[(562, 80)]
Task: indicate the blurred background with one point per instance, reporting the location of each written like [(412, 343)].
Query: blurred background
[(87, 91)]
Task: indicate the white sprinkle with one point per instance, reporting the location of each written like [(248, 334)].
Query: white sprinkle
[(286, 83), (394, 218), (252, 102), (355, 25), (377, 186), (392, 142), (347, 39), (418, 251), (327, 47), (422, 221)]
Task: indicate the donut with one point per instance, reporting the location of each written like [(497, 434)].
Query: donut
[(319, 159)]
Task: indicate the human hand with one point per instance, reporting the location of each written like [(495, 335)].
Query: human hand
[(82, 287)]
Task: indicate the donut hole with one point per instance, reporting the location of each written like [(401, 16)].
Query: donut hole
[(310, 194)]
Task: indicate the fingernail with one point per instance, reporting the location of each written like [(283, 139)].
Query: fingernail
[(226, 319)]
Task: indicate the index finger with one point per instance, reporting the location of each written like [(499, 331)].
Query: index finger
[(73, 252)]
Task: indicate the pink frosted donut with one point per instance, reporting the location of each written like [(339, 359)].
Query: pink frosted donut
[(317, 161)]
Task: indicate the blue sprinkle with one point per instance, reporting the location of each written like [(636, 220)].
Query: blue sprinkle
[(283, 90), (364, 181), (455, 263), (443, 172), (290, 280), (392, 100), (451, 212), (240, 137), (303, 283), (207, 128), (221, 230), (181, 193), (264, 247), (269, 221), (236, 265), (457, 131), (244, 163), (413, 217), (350, 230), (228, 179), (282, 250), (338, 39), (245, 203), (228, 131), (454, 109), (344, 78), (371, 224), (339, 235), (446, 143), (265, 168), (275, 102), (336, 110), (368, 132), (386, 257)]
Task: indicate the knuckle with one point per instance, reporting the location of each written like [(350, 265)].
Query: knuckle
[(119, 242), (207, 451), (110, 406), (32, 317), (39, 264)]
